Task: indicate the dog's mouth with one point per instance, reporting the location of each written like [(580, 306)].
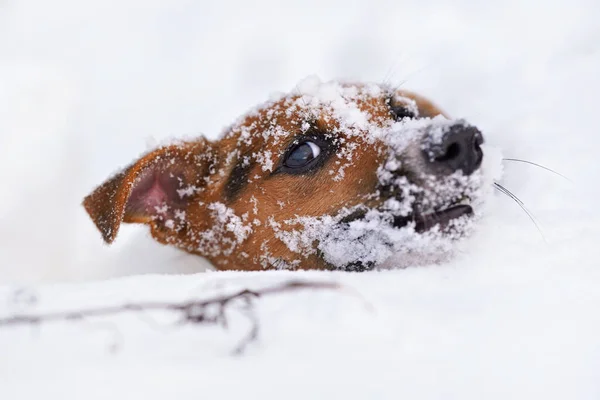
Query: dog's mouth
[(441, 218), (423, 221)]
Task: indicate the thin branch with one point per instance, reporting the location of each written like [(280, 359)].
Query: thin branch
[(193, 311)]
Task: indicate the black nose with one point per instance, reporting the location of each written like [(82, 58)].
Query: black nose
[(458, 149)]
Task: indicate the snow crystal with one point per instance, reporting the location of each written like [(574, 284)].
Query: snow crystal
[(265, 159), (226, 217), (227, 231), (162, 209), (187, 191)]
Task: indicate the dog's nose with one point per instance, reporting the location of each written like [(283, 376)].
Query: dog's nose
[(458, 149)]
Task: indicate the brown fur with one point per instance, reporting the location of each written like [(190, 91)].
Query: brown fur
[(218, 174)]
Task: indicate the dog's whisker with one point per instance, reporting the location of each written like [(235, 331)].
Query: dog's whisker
[(408, 76), (387, 79), (508, 193), (299, 93), (511, 195), (312, 115), (537, 165)]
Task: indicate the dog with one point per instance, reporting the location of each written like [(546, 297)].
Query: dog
[(345, 176)]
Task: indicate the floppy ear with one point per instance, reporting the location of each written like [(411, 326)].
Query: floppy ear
[(165, 178)]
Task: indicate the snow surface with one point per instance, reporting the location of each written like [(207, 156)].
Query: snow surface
[(86, 86)]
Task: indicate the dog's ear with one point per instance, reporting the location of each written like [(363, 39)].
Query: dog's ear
[(168, 177)]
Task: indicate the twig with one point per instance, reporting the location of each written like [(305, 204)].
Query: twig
[(194, 311)]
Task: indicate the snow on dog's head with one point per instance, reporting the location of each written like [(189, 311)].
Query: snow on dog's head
[(337, 176)]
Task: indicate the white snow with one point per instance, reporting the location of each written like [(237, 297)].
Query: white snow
[(84, 85)]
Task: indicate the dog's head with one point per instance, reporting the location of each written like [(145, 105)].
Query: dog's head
[(338, 176)]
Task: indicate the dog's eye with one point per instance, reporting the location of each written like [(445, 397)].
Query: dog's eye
[(307, 153), (400, 112), (302, 154)]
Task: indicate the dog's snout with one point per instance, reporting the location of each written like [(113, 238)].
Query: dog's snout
[(459, 149)]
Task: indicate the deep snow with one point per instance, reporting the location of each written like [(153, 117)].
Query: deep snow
[(87, 86)]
